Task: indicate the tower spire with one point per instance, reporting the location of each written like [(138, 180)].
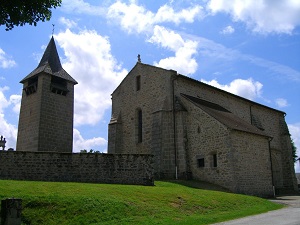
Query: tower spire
[(50, 63)]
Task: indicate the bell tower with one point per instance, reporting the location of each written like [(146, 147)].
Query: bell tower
[(47, 106)]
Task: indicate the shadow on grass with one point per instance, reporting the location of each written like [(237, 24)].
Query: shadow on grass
[(199, 185)]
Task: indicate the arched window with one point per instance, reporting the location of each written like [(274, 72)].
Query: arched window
[(139, 125)]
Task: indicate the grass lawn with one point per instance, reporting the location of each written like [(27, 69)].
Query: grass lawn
[(165, 203)]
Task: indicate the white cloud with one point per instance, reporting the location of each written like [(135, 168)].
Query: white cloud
[(5, 62), (4, 102), (67, 22), (132, 18), (281, 102), (264, 16), (135, 18), (167, 14), (183, 60), (82, 7), (295, 135), (249, 88), (90, 62), (9, 131), (96, 143), (228, 30)]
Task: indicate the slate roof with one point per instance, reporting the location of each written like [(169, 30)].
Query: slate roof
[(50, 63), (227, 93), (224, 116)]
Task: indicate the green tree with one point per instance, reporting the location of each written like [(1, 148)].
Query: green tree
[(19, 12), (294, 149)]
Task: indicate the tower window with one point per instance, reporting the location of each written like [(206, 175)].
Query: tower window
[(140, 126), (32, 86), (138, 83), (58, 86)]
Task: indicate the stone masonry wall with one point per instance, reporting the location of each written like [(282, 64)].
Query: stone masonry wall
[(46, 119), (77, 167), (243, 159), (56, 121), (154, 99), (251, 163), (205, 137), (271, 121), (28, 129)]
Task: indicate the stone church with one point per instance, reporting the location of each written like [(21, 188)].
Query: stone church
[(196, 131)]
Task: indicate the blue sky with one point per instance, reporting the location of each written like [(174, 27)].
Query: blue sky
[(249, 48)]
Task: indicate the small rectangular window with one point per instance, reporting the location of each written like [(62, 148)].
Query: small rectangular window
[(200, 162), (138, 83), (140, 126), (215, 160)]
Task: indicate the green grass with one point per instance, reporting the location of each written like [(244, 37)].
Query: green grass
[(164, 203)]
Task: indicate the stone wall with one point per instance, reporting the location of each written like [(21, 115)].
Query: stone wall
[(46, 118), (152, 96), (205, 137), (77, 167), (154, 99), (271, 121), (242, 160), (251, 164)]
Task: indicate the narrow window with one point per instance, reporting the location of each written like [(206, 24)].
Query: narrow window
[(200, 162), (138, 83), (215, 161), (140, 126)]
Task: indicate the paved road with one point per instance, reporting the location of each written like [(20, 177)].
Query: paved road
[(286, 216)]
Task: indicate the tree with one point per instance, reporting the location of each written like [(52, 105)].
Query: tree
[(19, 12), (294, 149)]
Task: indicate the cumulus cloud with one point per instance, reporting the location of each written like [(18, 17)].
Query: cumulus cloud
[(9, 131), (249, 88), (96, 143), (67, 22), (295, 135), (90, 62), (5, 61), (131, 17), (82, 7), (135, 18), (3, 100), (183, 60), (281, 102), (167, 14), (228, 30), (265, 16)]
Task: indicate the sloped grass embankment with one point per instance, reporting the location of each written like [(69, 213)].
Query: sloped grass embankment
[(165, 203)]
